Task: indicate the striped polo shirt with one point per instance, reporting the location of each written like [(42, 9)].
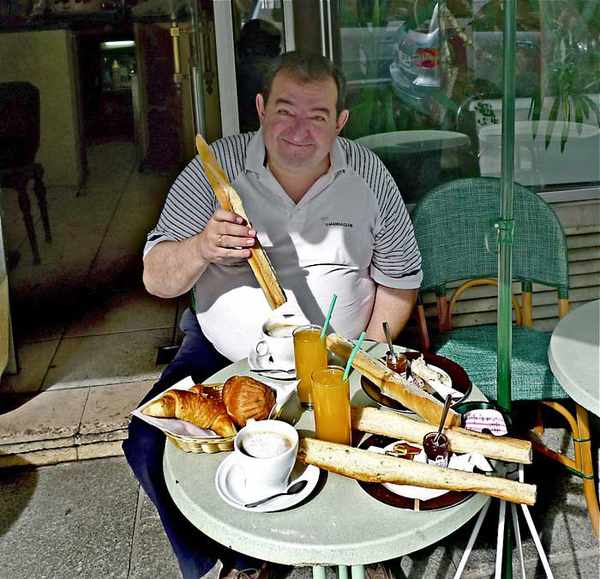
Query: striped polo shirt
[(348, 233)]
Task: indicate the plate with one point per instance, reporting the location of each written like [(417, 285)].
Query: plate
[(385, 495), (460, 382), (229, 480), (265, 367)]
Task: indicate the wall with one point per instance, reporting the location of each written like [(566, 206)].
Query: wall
[(47, 59)]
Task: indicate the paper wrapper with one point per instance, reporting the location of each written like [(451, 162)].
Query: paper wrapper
[(183, 428)]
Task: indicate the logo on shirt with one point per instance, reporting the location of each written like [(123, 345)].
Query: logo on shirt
[(337, 224)]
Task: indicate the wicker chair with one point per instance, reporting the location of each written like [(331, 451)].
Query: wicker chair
[(455, 230)]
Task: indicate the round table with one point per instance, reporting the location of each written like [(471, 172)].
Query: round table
[(340, 524), (574, 357)]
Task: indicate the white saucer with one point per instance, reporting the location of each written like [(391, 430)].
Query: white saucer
[(230, 483), (264, 365)]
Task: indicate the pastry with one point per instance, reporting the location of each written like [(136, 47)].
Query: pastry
[(200, 410), (246, 398)]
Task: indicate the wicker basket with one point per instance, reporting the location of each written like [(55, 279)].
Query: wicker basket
[(201, 445)]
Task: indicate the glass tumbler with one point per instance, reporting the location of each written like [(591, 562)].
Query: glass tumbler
[(310, 354), (331, 405)]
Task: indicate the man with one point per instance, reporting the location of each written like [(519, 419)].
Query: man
[(329, 216)]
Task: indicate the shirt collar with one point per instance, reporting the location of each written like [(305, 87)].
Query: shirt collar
[(256, 155)]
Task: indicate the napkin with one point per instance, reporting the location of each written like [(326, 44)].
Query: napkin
[(486, 419), (467, 462), (185, 428), (434, 377)]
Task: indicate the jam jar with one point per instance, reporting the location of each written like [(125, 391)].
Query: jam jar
[(437, 451), (397, 365)]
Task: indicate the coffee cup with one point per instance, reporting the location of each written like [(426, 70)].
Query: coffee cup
[(276, 345), (266, 452)]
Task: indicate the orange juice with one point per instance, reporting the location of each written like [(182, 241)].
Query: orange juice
[(331, 404), (310, 355)]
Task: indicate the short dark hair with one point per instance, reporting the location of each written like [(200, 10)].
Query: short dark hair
[(306, 68)]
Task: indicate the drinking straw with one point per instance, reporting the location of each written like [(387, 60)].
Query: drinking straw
[(353, 353), (326, 324)]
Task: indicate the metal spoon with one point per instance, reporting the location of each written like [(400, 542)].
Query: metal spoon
[(292, 490), (444, 414), (386, 331)]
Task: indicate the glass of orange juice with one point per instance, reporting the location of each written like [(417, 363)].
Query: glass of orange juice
[(331, 405), (310, 354)]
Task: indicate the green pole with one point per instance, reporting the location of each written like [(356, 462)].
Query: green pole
[(505, 238)]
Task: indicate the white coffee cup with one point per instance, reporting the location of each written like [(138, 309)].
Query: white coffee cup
[(266, 452), (276, 345)]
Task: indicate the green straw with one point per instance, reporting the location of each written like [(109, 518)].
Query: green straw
[(353, 353), (326, 324)]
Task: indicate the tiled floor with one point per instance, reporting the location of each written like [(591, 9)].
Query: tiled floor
[(83, 322)]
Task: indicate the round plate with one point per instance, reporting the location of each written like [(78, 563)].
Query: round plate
[(379, 492), (460, 382)]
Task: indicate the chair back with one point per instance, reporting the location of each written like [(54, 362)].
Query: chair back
[(455, 230), (19, 124)]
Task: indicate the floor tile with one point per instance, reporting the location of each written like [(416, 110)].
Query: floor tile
[(99, 450), (38, 458), (70, 520), (45, 416), (108, 407), (124, 311), (34, 360), (108, 359), (151, 554)]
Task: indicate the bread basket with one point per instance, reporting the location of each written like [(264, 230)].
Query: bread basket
[(198, 445)]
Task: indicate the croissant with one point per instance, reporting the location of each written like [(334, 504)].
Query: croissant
[(247, 398), (199, 410), (208, 390)]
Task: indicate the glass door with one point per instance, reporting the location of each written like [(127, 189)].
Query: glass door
[(249, 35)]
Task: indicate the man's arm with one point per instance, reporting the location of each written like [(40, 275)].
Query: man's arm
[(392, 305), (171, 268)]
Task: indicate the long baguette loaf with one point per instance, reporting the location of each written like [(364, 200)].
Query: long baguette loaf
[(230, 200), (199, 410), (369, 466), (393, 385), (395, 425)]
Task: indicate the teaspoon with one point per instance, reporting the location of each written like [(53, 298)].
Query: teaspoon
[(292, 490)]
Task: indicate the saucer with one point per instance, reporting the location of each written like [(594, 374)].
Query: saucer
[(229, 480), (265, 365)]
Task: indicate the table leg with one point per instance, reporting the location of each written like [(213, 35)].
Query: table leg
[(589, 485), (358, 572), (342, 571), (319, 572)]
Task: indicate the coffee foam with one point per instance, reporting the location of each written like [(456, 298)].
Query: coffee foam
[(265, 444)]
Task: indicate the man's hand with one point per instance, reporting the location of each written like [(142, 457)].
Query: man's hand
[(226, 239), (171, 268)]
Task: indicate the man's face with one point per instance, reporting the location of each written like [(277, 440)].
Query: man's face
[(300, 123)]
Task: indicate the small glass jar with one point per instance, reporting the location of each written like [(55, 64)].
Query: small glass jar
[(398, 364), (437, 451)]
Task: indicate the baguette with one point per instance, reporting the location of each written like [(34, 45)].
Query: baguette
[(230, 200), (368, 466), (395, 425), (199, 410), (392, 384)]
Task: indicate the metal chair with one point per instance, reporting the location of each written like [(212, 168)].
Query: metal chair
[(19, 142), (455, 226)]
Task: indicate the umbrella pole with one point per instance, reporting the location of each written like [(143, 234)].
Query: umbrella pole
[(505, 227)]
